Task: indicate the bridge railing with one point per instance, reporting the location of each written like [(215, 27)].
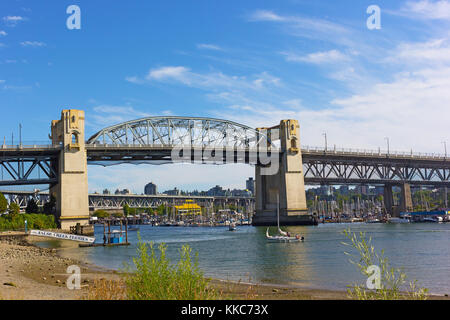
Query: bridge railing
[(26, 146), (32, 144), (170, 146), (375, 153)]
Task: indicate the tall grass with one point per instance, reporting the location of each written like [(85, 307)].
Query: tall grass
[(156, 278), (107, 290), (393, 283)]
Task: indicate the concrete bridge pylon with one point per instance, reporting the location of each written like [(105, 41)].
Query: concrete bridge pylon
[(287, 184), (71, 191)]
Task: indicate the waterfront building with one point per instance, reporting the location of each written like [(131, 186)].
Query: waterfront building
[(217, 191), (151, 189), (250, 185), (122, 192), (174, 192), (188, 208)]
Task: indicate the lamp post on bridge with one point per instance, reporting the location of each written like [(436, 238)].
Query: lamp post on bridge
[(445, 149), (20, 134), (387, 140)]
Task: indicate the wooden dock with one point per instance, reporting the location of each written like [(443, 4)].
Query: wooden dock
[(111, 238)]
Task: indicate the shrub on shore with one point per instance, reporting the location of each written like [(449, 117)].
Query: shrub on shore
[(34, 221), (157, 279), (3, 203), (392, 281)]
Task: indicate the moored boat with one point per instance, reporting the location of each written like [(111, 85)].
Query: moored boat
[(282, 235)]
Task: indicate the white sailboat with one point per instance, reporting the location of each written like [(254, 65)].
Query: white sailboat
[(283, 236)]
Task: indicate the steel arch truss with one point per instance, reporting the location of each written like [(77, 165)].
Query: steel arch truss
[(177, 131), (22, 200), (331, 171), (27, 170)]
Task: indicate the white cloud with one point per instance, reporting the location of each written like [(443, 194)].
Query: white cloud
[(322, 57), (305, 27), (12, 21), (413, 111), (207, 81), (32, 44), (3, 33), (209, 47), (426, 9), (106, 115), (168, 73), (265, 15), (434, 52)]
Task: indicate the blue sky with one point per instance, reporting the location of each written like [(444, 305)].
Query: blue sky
[(254, 62)]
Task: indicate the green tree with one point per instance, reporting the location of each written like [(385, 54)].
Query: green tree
[(161, 210), (3, 203), (118, 214), (32, 207), (13, 209), (50, 207), (101, 214), (126, 209)]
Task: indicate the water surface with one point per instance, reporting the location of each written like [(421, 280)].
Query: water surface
[(422, 250)]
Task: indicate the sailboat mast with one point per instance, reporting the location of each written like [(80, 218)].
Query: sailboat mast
[(278, 210)]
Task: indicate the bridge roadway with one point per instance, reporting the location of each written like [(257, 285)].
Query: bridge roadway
[(24, 165), (116, 202)]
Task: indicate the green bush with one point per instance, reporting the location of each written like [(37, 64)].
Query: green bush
[(392, 280), (13, 209), (157, 279), (35, 221), (101, 214), (3, 203)]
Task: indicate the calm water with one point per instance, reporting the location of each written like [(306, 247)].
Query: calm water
[(423, 250)]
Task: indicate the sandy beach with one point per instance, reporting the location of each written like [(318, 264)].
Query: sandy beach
[(28, 272)]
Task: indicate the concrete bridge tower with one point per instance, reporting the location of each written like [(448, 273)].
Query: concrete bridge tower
[(288, 183), (71, 192)]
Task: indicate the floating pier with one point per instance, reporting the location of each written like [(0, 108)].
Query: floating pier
[(111, 238)]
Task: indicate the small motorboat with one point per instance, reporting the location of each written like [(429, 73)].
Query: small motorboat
[(133, 229), (398, 220), (232, 227)]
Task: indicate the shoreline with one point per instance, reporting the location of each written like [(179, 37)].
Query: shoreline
[(29, 272)]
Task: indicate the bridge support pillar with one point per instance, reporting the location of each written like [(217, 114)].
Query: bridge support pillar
[(72, 203), (288, 183), (406, 198), (388, 199), (445, 198)]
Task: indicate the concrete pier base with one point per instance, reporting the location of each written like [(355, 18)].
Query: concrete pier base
[(269, 218)]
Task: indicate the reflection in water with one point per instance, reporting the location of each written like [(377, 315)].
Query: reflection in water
[(319, 262)]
